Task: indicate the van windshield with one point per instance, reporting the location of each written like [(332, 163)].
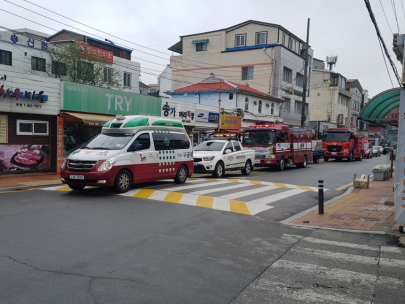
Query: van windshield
[(210, 146), (113, 141), (337, 136)]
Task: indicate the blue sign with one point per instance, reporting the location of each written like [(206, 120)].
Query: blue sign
[(207, 116)]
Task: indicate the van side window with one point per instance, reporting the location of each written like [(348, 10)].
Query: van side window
[(237, 146), (143, 140), (180, 141), (162, 141)]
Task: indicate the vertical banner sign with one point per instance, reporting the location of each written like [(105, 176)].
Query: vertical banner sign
[(400, 164), (3, 129), (60, 144)]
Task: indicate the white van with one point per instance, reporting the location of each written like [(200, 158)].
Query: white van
[(129, 150)]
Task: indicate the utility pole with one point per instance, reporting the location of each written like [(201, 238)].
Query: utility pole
[(219, 104), (304, 93)]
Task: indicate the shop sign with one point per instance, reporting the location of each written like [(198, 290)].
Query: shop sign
[(169, 111), (3, 129), (17, 94), (29, 42), (231, 122), (92, 52), (207, 116), (59, 143), (90, 99), (25, 157), (399, 186)]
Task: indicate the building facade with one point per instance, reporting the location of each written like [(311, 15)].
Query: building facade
[(264, 56)]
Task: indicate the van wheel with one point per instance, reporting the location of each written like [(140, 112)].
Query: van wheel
[(248, 168), (219, 170), (281, 164), (76, 187), (181, 175), (123, 181)]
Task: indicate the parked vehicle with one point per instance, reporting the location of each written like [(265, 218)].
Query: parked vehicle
[(278, 145), (317, 150), (376, 151), (131, 149), (218, 156), (381, 149), (342, 143), (368, 151)]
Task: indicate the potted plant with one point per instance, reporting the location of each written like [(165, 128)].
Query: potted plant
[(381, 172)]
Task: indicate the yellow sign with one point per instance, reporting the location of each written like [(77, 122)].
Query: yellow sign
[(231, 122), (3, 129)]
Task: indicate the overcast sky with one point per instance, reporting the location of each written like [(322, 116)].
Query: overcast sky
[(341, 28)]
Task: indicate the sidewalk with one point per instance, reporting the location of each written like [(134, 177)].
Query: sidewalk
[(361, 210)]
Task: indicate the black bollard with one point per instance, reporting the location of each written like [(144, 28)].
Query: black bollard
[(320, 196)]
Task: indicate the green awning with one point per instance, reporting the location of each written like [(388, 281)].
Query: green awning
[(377, 109), (200, 41)]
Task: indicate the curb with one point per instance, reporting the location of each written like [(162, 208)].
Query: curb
[(298, 215), (14, 188)]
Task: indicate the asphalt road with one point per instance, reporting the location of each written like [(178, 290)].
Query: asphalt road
[(98, 247)]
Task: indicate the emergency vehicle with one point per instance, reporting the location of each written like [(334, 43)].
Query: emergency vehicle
[(342, 143), (129, 150), (278, 145)]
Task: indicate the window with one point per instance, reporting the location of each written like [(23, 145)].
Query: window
[(108, 75), (240, 40), (5, 57), (237, 146), (247, 73), (143, 140), (287, 75), (299, 81), (272, 109), (230, 96), (201, 46), (127, 79), (32, 127), (162, 141), (229, 146), (85, 70), (297, 107), (260, 106), (58, 68), (285, 39), (38, 64), (246, 104), (180, 141), (287, 104), (261, 38)]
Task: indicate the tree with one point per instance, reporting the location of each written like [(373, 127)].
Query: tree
[(76, 64)]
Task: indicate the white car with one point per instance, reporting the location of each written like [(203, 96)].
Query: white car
[(218, 156)]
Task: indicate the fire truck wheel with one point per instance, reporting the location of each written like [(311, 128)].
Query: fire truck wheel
[(316, 159), (123, 181), (281, 164), (350, 158), (219, 170), (326, 159), (76, 187), (248, 168), (303, 164), (181, 175), (360, 158)]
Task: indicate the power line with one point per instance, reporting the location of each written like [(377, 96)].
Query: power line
[(386, 63), (403, 10), (395, 14), (367, 2), (386, 18)]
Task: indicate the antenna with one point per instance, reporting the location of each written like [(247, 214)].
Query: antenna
[(331, 61)]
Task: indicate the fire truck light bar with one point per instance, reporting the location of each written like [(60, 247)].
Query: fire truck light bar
[(262, 126)]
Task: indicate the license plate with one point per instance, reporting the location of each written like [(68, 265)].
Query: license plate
[(257, 161), (334, 153), (76, 176)]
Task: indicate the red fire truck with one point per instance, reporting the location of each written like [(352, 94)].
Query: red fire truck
[(342, 143), (278, 145)]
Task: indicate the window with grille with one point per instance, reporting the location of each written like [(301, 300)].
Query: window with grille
[(38, 64), (240, 40), (261, 38), (58, 68), (5, 57), (201, 46)]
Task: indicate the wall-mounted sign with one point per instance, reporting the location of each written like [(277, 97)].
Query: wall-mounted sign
[(207, 116), (17, 94), (231, 122), (3, 129), (25, 157), (88, 51), (59, 143), (187, 116)]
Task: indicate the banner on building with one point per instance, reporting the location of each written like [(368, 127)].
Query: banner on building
[(90, 99), (231, 122), (60, 144), (3, 129), (400, 165)]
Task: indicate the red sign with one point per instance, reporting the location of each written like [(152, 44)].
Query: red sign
[(59, 143), (96, 53)]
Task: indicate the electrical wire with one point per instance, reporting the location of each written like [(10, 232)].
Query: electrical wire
[(395, 14), (386, 18)]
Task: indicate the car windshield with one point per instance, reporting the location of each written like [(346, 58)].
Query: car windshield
[(337, 136), (258, 138), (210, 146), (114, 141)]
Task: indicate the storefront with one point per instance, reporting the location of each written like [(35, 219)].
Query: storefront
[(85, 109), (28, 123)]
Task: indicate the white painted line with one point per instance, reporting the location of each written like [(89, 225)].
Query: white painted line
[(389, 249), (200, 185), (256, 190), (54, 188), (188, 199), (341, 244), (255, 208), (221, 204), (158, 195), (275, 197), (337, 256), (392, 263), (208, 191)]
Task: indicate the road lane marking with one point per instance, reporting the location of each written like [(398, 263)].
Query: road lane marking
[(306, 188), (281, 185), (173, 197), (255, 182), (235, 195), (212, 190), (238, 207), (275, 197), (341, 244), (144, 193), (345, 186), (205, 201)]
